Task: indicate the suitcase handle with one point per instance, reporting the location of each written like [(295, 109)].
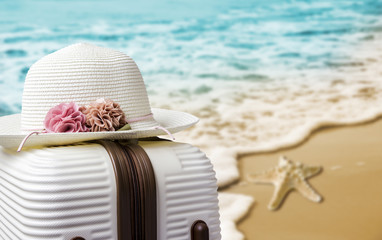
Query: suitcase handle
[(199, 231)]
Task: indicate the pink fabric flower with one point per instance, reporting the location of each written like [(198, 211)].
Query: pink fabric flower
[(65, 117)]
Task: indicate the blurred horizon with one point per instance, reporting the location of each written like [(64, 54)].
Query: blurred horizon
[(254, 72)]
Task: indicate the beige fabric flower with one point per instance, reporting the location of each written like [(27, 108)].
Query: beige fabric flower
[(104, 115)]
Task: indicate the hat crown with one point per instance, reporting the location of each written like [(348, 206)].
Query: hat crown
[(83, 73)]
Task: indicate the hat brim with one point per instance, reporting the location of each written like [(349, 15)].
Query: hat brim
[(11, 135)]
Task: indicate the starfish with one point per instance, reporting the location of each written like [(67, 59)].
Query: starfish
[(286, 177)]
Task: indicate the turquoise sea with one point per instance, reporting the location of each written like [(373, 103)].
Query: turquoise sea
[(259, 74)]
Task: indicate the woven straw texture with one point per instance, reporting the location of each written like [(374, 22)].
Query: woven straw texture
[(83, 73), (11, 134)]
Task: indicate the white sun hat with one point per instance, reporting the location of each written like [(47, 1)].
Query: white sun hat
[(83, 73)]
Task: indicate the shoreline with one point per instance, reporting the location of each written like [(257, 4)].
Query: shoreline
[(352, 162), (318, 130)]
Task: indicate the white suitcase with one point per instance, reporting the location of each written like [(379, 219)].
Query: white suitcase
[(75, 192)]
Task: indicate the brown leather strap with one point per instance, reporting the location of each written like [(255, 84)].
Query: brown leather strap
[(136, 191)]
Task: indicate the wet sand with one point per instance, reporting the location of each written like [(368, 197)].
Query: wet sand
[(350, 183)]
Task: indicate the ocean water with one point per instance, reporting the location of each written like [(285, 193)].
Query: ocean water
[(260, 74)]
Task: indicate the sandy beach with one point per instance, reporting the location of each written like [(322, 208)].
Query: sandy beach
[(350, 184), (260, 76)]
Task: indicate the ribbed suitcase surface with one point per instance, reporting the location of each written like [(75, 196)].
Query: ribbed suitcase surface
[(108, 190)]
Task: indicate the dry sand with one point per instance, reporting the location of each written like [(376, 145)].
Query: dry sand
[(351, 184)]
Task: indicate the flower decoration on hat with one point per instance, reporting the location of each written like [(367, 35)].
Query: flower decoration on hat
[(56, 115), (65, 117), (104, 115), (99, 116)]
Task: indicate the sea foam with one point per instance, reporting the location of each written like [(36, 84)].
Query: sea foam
[(261, 76)]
